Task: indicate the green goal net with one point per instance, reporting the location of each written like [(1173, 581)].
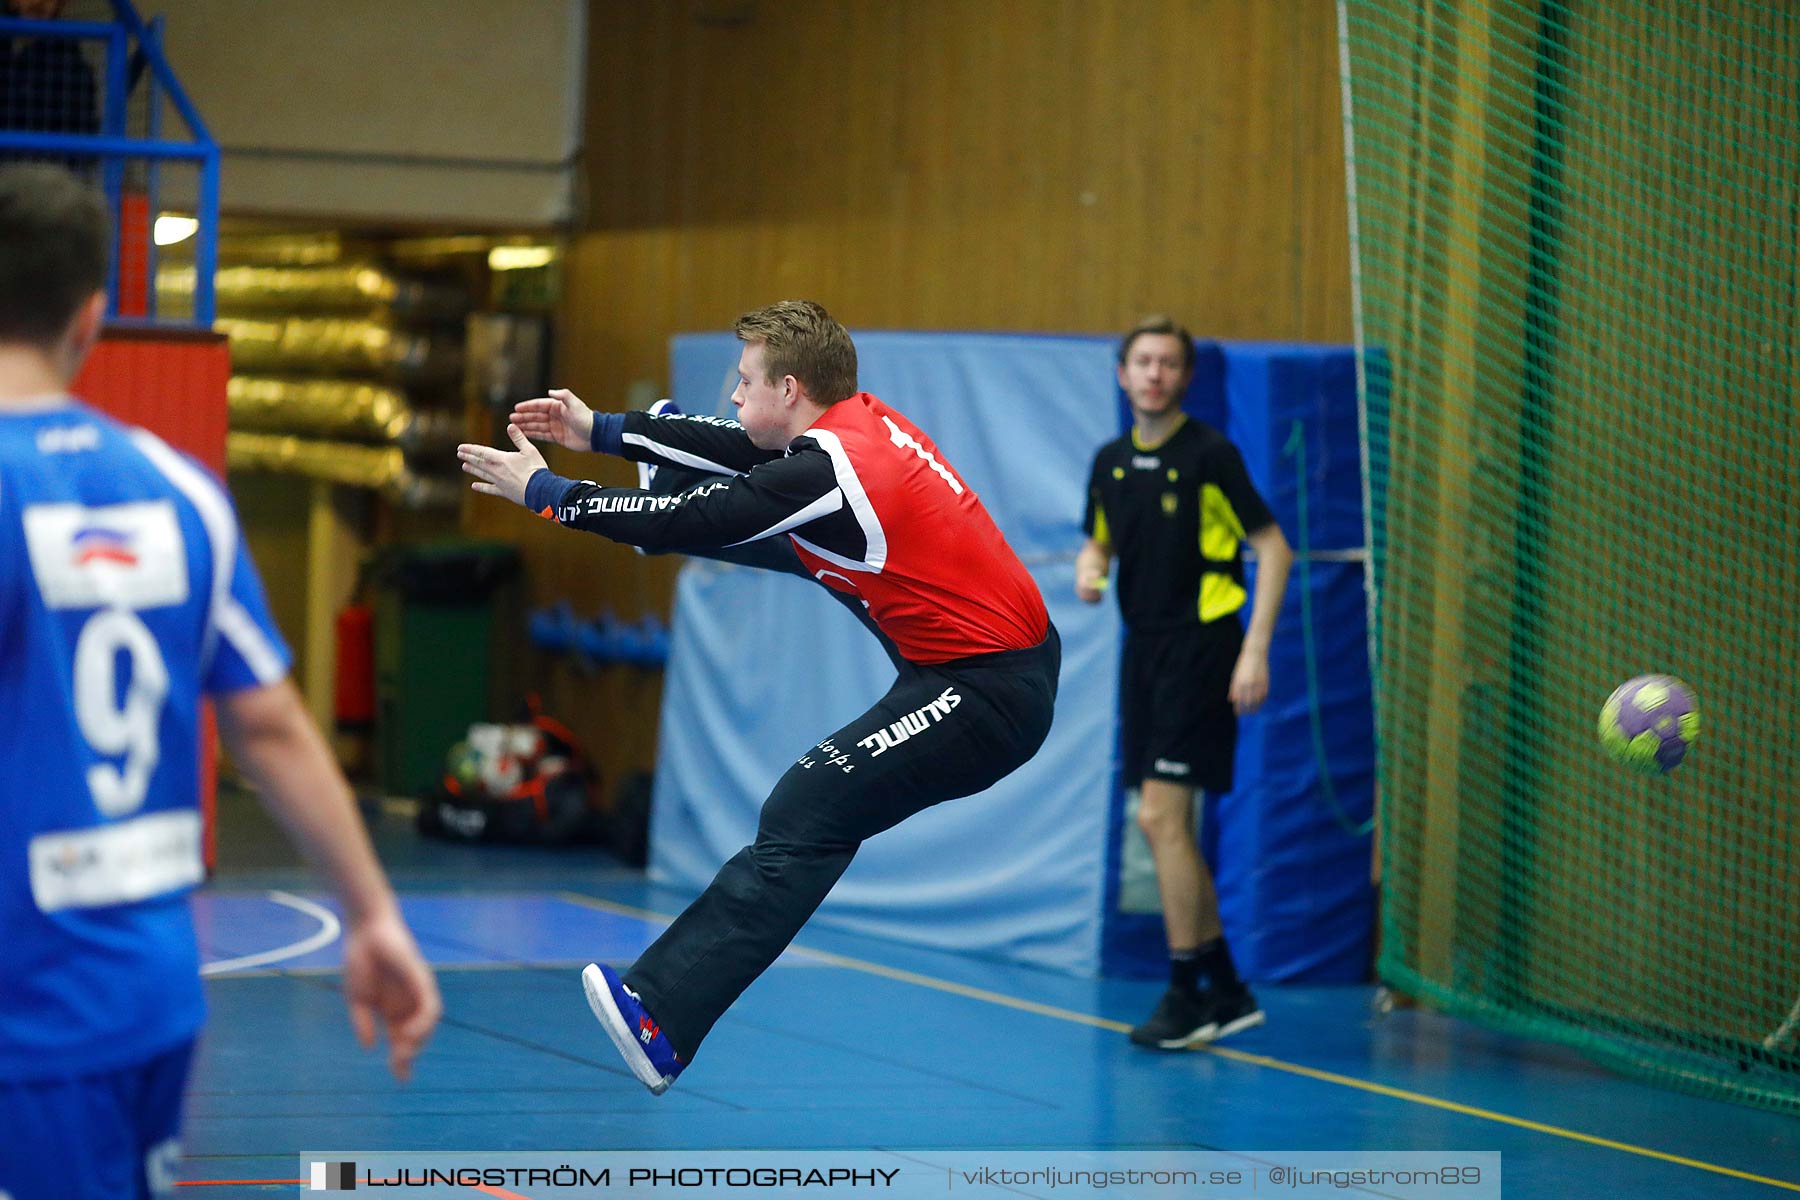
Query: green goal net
[(1576, 230)]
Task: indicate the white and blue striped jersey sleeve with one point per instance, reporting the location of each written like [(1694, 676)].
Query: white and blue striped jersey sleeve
[(250, 651), (242, 647)]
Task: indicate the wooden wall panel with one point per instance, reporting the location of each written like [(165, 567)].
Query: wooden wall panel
[(1030, 164), (1044, 165)]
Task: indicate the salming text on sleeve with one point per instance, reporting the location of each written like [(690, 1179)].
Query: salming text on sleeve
[(728, 511)]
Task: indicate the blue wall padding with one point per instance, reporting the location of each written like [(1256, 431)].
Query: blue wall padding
[(1268, 387), (762, 667), (703, 372), (1294, 861)]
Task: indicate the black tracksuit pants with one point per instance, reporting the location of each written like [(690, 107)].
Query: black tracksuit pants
[(940, 733)]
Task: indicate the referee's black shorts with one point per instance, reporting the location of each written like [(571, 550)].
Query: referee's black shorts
[(1175, 716)]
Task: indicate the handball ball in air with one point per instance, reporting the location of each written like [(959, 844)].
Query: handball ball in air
[(1649, 723)]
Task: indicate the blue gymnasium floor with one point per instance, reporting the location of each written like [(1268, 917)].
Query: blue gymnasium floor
[(852, 1042)]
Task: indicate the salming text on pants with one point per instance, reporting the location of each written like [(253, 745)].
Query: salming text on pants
[(941, 732)]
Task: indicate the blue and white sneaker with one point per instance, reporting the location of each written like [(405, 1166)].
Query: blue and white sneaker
[(662, 408), (634, 1034)]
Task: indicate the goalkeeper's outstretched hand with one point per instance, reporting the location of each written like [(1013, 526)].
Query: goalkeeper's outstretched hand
[(561, 418), (501, 472)]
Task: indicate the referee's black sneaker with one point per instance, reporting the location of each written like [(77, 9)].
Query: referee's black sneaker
[(1183, 1019)]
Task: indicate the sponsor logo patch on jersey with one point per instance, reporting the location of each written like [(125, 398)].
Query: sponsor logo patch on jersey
[(120, 555), (119, 863), (97, 543)]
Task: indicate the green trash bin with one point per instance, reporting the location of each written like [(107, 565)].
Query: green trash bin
[(439, 609)]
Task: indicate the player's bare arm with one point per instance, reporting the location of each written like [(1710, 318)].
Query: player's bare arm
[(1092, 563), (1274, 559)]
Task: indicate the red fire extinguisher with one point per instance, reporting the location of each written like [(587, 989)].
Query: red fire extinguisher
[(354, 692)]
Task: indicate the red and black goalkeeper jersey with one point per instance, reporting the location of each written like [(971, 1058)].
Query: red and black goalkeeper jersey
[(873, 509)]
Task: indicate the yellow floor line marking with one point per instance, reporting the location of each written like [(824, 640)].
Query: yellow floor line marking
[(1257, 1060)]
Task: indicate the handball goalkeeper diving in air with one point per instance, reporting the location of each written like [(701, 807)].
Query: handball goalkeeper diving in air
[(874, 512)]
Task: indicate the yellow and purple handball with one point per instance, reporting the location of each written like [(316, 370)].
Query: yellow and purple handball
[(1649, 723)]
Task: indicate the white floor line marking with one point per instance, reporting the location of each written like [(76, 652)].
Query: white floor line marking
[(329, 930)]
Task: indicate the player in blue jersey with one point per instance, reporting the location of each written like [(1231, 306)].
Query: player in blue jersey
[(126, 595)]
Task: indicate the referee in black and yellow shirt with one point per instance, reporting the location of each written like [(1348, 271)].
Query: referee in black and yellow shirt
[(1171, 501)]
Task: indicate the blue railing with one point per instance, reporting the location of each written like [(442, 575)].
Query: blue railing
[(112, 147)]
